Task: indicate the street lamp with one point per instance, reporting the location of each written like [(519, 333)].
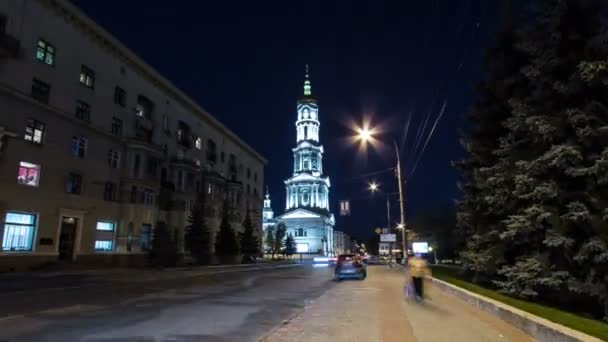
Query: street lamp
[(373, 186), (365, 134)]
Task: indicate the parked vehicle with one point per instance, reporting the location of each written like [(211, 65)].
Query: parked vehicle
[(350, 266)]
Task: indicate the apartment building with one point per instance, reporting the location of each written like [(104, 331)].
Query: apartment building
[(96, 147)]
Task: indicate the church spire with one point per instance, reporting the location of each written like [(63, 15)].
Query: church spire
[(307, 83)]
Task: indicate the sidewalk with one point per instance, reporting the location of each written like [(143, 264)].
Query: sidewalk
[(375, 310)]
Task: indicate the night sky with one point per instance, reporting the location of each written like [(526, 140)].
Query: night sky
[(244, 62)]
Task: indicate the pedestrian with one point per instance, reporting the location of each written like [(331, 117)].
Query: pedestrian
[(418, 270)]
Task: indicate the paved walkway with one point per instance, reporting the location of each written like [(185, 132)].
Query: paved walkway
[(375, 310)]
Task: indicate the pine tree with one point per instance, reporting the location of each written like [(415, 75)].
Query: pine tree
[(279, 238), (197, 237), (226, 244), (547, 228), (250, 245), (269, 241), (485, 183), (164, 250), (290, 245)]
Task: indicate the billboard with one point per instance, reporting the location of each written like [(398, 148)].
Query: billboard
[(388, 237), (420, 247)]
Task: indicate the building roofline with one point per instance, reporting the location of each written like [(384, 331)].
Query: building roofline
[(109, 41)]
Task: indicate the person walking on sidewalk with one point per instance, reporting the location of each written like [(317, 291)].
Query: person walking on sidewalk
[(418, 269)]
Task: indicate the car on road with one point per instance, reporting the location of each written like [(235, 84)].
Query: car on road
[(350, 266)]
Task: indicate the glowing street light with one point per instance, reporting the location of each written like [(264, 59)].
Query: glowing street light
[(365, 135), (373, 187)]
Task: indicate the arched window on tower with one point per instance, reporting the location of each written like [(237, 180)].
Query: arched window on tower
[(300, 232), (305, 132)]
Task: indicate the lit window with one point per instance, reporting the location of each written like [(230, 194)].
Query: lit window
[(145, 237), (104, 245), (79, 147), (83, 111), (114, 159), (19, 231), (34, 131), (45, 52), (87, 77), (106, 226), (29, 174), (74, 184), (104, 236), (199, 143)]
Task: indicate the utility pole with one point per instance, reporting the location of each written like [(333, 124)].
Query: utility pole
[(388, 227), (402, 221)]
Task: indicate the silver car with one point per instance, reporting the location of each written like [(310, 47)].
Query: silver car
[(350, 266)]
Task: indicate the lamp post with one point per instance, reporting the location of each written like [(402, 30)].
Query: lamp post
[(366, 135)]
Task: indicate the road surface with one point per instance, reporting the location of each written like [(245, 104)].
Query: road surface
[(243, 303), (220, 304)]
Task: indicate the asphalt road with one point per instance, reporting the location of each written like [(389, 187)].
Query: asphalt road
[(221, 304)]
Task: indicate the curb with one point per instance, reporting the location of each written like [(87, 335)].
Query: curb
[(537, 327)]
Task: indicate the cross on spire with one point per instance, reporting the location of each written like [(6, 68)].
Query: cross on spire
[(307, 83)]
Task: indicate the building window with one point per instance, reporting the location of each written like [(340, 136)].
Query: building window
[(104, 236), (116, 126), (104, 245), (133, 196), (19, 229), (114, 159), (144, 107), (223, 157), (79, 147), (136, 165), (45, 52), (165, 123), (74, 184), (183, 134), (87, 77), (41, 90), (248, 173), (180, 180), (34, 131), (152, 167), (83, 111), (198, 143), (148, 197), (211, 151), (145, 237), (300, 232), (109, 193), (29, 174), (255, 176), (120, 96)]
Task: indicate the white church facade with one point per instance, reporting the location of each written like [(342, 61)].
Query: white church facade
[(307, 211)]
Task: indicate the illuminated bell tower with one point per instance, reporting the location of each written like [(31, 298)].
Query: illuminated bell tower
[(308, 188)]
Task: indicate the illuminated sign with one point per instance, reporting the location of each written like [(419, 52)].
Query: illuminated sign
[(420, 247), (388, 237)]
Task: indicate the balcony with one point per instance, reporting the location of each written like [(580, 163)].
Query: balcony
[(185, 162), (145, 143), (9, 46)]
